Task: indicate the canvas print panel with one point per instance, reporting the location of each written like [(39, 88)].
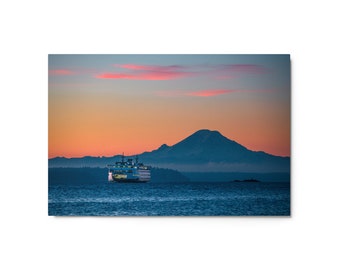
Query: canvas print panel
[(169, 135)]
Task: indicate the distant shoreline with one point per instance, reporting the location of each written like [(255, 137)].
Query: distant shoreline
[(161, 175), (247, 181)]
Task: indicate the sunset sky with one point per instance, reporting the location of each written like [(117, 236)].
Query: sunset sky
[(104, 105)]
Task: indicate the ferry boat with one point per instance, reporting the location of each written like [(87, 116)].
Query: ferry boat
[(129, 171)]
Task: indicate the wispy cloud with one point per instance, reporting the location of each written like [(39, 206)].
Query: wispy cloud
[(244, 68), (146, 72), (223, 72), (170, 68), (61, 72), (150, 76), (199, 93), (173, 72), (207, 92)]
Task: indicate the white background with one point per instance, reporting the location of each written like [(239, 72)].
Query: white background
[(30, 30)]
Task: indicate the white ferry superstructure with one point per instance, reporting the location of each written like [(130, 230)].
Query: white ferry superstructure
[(129, 171)]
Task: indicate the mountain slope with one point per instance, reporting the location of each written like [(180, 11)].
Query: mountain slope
[(202, 146), (207, 150), (203, 151)]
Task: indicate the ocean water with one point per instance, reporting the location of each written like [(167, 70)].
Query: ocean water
[(168, 199)]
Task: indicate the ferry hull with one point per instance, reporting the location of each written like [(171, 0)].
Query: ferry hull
[(130, 181)]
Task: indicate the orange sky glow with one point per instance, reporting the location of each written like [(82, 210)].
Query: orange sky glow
[(165, 98)]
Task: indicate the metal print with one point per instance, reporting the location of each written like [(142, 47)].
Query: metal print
[(169, 135)]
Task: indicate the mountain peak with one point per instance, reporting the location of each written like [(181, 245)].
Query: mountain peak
[(204, 142), (206, 135), (207, 132)]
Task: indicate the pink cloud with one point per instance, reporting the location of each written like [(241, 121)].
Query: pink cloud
[(151, 76), (162, 75), (61, 72), (173, 72), (208, 92), (200, 93), (217, 92), (144, 72), (132, 66), (172, 68)]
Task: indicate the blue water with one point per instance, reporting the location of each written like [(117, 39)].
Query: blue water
[(163, 199)]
